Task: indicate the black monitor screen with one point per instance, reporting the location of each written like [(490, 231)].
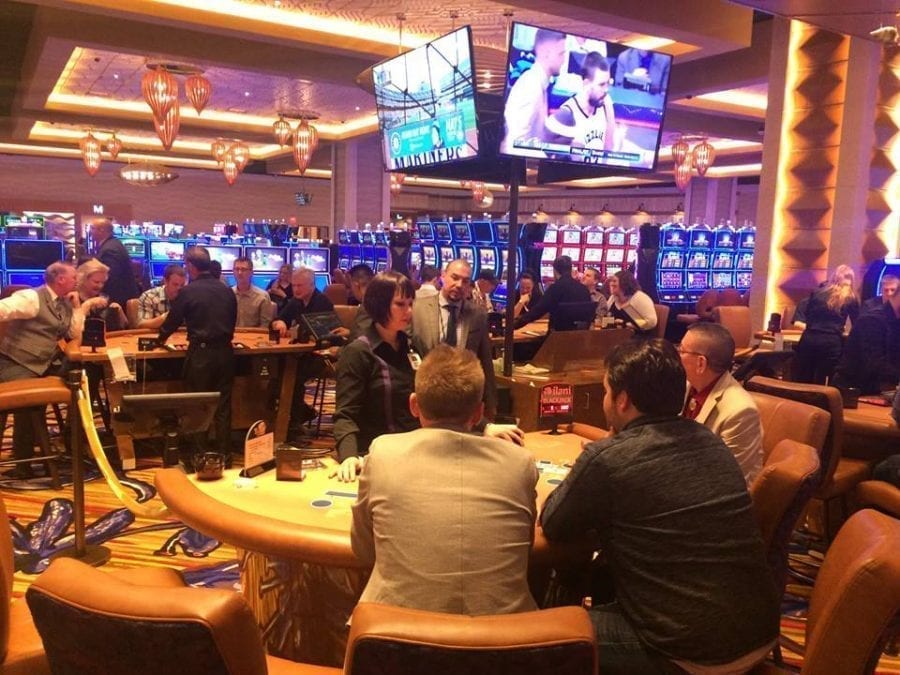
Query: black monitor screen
[(425, 101), (701, 238), (24, 232), (481, 232), (266, 258), (31, 255), (604, 107), (172, 251)]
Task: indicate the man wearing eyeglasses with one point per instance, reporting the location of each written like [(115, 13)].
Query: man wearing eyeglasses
[(718, 401)]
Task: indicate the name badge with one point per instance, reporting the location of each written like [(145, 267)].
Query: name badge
[(414, 360)]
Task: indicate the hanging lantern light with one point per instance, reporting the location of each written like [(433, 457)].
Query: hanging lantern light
[(306, 140), (230, 167), (198, 90), (241, 154), (218, 150), (683, 174), (90, 153), (282, 131), (680, 150), (704, 155), (160, 91), (478, 191), (113, 146), (167, 129), (487, 199), (397, 182)]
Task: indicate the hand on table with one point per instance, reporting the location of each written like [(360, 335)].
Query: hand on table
[(348, 470), (506, 432), (341, 331), (281, 327)]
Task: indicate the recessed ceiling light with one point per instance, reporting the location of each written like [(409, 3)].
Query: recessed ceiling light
[(357, 108), (246, 94), (278, 3), (115, 76)]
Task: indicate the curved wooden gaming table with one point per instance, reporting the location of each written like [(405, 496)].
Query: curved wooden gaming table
[(298, 571), (259, 363)]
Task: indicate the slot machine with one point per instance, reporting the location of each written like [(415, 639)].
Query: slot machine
[(25, 260), (724, 257), (267, 260), (486, 250), (463, 246), (549, 253), (415, 251), (443, 236), (426, 242), (614, 251), (746, 244), (670, 281), (570, 244), (367, 246), (356, 257), (700, 245), (593, 249), (382, 251), (164, 252), (24, 227), (311, 257), (632, 242), (345, 250), (501, 233)]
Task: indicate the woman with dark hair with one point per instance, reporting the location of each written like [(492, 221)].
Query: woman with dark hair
[(630, 304), (817, 354), (527, 294), (375, 374)]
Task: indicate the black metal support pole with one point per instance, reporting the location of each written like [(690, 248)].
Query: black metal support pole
[(511, 264)]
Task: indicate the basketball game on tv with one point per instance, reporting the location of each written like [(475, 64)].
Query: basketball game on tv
[(426, 103), (576, 99)]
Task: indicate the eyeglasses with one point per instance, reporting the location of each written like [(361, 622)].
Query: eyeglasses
[(683, 351)]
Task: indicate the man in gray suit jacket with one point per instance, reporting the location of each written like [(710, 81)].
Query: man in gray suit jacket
[(444, 516), (450, 317)]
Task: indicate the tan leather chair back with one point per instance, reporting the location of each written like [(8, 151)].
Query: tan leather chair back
[(730, 297), (879, 494), (131, 312), (783, 418), (705, 305), (92, 622), (7, 569), (347, 314), (780, 493), (736, 318), (337, 293), (856, 596), (396, 641), (662, 319), (820, 396)]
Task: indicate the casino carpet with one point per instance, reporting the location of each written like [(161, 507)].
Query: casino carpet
[(41, 524)]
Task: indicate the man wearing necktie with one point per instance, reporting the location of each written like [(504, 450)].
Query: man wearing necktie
[(451, 318), (37, 319)]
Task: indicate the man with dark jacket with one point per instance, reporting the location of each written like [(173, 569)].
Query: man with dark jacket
[(121, 285), (668, 505), (871, 358), (567, 300)]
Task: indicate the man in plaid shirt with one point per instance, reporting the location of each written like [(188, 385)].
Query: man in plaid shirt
[(153, 305)]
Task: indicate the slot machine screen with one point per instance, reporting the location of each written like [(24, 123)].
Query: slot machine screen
[(697, 280), (699, 260), (426, 231), (487, 259), (548, 254), (634, 238), (672, 260), (701, 239), (615, 255), (366, 238), (344, 262), (31, 255), (137, 248), (315, 259), (615, 239), (502, 232), (721, 280), (33, 279), (158, 269), (24, 232), (546, 271), (593, 255), (743, 279), (573, 253), (747, 240), (226, 255), (447, 255), (462, 232), (723, 260), (726, 239), (381, 238), (172, 251), (380, 266), (442, 231), (266, 258), (673, 238), (745, 261), (594, 238), (173, 229), (354, 238), (343, 236), (322, 280), (467, 253), (670, 281), (612, 269), (571, 237), (482, 232), (551, 234), (415, 259)]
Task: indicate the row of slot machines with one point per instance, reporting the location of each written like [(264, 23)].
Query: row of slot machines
[(356, 247), (693, 260), (606, 249)]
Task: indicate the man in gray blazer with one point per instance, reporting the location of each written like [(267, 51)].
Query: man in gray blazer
[(450, 317), (445, 516)]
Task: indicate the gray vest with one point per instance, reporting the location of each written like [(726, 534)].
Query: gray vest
[(33, 342)]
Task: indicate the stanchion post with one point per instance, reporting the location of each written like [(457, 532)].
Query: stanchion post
[(511, 264)]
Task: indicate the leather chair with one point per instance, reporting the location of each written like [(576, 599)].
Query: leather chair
[(93, 622), (12, 288), (131, 312), (736, 318), (396, 641), (878, 494), (702, 310), (662, 319), (855, 603), (337, 293), (838, 475), (347, 314), (780, 494), (783, 418)]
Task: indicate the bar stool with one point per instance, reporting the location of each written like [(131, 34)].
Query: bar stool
[(37, 392)]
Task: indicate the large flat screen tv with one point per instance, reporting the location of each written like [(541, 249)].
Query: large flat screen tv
[(425, 100), (575, 99)]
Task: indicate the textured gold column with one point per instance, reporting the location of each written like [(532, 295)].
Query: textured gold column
[(882, 234), (808, 156)]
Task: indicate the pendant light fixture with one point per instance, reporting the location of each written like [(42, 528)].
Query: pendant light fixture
[(90, 153), (198, 90), (160, 91), (113, 145)]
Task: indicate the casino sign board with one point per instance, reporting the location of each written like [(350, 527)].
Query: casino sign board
[(556, 405)]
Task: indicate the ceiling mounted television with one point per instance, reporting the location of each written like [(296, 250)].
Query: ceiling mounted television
[(425, 101), (583, 101)]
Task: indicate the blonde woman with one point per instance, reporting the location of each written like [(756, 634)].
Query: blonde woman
[(819, 350), (91, 276)]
